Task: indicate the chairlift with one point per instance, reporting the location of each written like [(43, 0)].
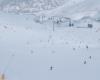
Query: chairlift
[(90, 25)]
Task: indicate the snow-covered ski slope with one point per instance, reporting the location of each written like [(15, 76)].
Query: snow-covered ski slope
[(29, 49), (47, 51)]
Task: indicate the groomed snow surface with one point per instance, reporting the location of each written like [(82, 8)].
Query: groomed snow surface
[(28, 50)]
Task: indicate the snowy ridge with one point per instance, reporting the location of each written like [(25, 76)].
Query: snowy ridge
[(29, 6), (76, 10)]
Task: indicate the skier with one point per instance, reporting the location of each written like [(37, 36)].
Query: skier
[(51, 68)]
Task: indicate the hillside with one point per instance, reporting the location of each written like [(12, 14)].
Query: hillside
[(76, 9), (29, 6), (59, 40)]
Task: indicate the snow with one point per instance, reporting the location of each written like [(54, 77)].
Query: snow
[(29, 49), (29, 6), (33, 43), (76, 9)]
